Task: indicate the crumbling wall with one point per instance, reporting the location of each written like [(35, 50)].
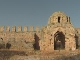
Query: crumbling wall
[(77, 31), (58, 22), (19, 39)]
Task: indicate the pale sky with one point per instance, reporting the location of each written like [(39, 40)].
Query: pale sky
[(36, 12)]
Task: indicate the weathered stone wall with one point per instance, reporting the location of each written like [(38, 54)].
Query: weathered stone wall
[(59, 24), (19, 39), (77, 31), (58, 32)]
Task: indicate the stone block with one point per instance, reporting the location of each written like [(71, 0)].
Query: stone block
[(8, 29), (19, 28), (25, 28), (14, 29)]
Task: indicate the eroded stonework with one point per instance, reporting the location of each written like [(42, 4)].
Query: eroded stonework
[(58, 34)]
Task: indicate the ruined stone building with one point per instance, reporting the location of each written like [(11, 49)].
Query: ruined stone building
[(59, 33)]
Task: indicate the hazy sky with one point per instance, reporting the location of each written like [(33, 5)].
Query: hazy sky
[(36, 12)]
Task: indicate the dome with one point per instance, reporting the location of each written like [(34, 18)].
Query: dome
[(59, 13), (58, 17)]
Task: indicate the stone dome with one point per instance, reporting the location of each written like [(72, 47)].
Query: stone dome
[(58, 17), (59, 13)]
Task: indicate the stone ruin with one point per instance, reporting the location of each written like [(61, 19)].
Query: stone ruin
[(58, 34)]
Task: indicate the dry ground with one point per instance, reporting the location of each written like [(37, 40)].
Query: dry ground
[(37, 55)]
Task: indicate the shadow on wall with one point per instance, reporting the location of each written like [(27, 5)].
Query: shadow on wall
[(8, 45), (76, 38), (2, 44), (36, 44)]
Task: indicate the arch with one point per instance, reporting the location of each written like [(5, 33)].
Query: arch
[(59, 40)]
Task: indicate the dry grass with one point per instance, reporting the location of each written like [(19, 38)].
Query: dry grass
[(36, 55), (6, 54)]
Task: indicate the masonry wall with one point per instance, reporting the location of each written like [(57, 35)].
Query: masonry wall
[(20, 39), (78, 36)]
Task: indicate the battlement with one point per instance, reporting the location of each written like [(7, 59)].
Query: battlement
[(58, 32), (19, 29)]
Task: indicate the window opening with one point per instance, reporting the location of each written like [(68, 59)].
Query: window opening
[(58, 19)]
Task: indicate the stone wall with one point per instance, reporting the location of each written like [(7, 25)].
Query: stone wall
[(18, 38), (78, 36), (58, 34)]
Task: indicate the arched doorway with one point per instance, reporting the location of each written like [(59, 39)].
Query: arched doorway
[(59, 40)]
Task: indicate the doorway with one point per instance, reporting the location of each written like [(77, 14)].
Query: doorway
[(59, 41)]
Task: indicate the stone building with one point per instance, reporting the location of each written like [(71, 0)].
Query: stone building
[(58, 34)]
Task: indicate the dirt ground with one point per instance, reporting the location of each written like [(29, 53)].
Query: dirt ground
[(6, 54), (21, 55)]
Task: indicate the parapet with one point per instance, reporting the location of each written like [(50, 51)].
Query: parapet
[(1, 28), (19, 29), (37, 29), (14, 29), (8, 29), (31, 28), (25, 28)]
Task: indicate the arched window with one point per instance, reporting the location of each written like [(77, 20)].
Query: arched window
[(58, 19)]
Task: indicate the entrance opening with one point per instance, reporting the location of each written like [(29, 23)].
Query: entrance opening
[(58, 19), (59, 41)]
